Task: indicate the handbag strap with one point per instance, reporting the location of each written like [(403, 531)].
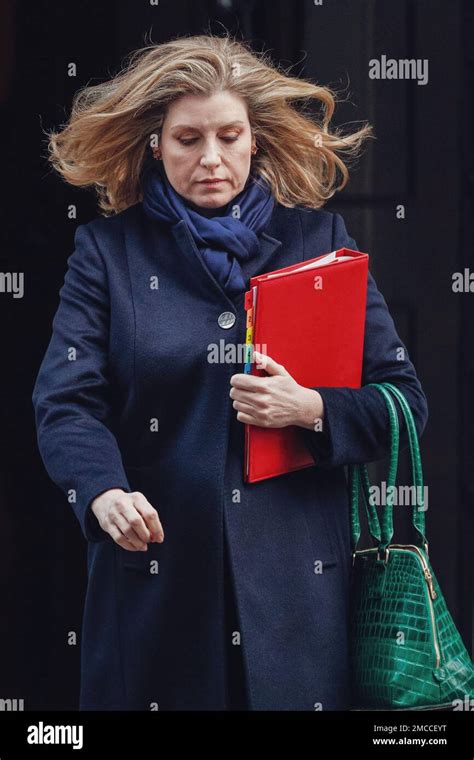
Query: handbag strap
[(371, 511), (358, 475), (418, 511), (358, 478)]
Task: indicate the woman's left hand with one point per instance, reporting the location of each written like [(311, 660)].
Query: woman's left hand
[(275, 401)]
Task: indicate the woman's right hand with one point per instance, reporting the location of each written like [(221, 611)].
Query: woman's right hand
[(129, 518)]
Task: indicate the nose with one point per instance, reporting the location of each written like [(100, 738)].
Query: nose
[(210, 157)]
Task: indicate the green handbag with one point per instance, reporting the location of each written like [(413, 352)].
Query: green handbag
[(405, 650)]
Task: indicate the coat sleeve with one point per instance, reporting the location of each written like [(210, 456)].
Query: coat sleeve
[(356, 426), (71, 392)]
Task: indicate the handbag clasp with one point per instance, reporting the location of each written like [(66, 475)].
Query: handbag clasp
[(387, 552)]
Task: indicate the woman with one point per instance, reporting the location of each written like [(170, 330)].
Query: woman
[(202, 591)]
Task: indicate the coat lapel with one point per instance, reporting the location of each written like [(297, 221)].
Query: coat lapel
[(269, 247), (281, 244)]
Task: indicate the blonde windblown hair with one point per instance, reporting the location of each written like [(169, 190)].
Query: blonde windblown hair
[(107, 141)]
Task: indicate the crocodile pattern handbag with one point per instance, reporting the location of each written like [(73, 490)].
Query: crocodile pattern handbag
[(406, 652)]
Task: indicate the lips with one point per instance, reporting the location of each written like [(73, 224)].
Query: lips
[(213, 181)]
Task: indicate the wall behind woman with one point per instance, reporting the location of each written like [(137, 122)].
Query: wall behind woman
[(403, 206)]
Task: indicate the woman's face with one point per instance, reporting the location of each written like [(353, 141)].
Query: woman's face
[(207, 137)]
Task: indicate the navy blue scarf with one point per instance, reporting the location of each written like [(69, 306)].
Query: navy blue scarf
[(223, 241)]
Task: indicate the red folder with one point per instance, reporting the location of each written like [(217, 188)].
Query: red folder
[(310, 317)]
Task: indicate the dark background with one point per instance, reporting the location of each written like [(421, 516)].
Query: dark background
[(422, 158)]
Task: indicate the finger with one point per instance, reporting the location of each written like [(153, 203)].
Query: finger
[(122, 540), (121, 522), (150, 517), (261, 360), (247, 419), (134, 519), (251, 383), (247, 397), (268, 364), (242, 407)]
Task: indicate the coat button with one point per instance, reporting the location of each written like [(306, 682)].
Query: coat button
[(226, 319)]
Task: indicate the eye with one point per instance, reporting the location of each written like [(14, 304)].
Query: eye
[(192, 140)]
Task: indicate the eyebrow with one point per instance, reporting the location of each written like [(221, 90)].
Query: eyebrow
[(222, 126)]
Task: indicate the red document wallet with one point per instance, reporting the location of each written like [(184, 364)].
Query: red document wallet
[(310, 317)]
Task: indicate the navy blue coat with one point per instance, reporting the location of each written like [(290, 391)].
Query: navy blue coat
[(156, 639)]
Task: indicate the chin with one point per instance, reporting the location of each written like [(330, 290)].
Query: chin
[(214, 200)]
